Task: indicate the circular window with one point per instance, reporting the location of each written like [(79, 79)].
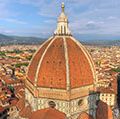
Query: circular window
[(80, 102), (51, 104)]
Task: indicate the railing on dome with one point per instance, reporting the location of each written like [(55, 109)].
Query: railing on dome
[(62, 34)]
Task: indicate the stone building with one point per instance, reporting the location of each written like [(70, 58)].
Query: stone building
[(62, 72), (108, 96)]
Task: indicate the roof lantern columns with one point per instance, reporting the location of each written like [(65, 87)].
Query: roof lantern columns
[(62, 26)]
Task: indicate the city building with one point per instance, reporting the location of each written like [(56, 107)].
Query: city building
[(103, 111), (108, 96)]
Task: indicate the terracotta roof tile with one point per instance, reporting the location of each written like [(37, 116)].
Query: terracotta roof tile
[(48, 113), (21, 104), (1, 108), (25, 112), (105, 90), (84, 115)]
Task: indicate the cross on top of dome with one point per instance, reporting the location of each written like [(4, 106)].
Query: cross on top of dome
[(62, 26)]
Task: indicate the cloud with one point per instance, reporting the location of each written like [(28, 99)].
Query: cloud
[(4, 30), (16, 21), (50, 21), (93, 23), (85, 16), (5, 10), (112, 17), (32, 2), (87, 26)]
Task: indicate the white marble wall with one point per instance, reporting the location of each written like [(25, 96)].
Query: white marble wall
[(30, 99), (108, 98), (70, 108)]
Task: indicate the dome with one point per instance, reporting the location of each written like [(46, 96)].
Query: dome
[(48, 113), (61, 63), (84, 115), (61, 75)]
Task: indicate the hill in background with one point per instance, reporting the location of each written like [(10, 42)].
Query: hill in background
[(12, 40)]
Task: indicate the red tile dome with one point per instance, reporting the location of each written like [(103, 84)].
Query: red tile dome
[(60, 75), (84, 115), (47, 113), (61, 62)]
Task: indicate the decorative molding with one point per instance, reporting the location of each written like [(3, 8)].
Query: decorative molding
[(67, 65)]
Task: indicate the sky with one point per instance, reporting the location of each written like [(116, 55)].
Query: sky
[(39, 17)]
